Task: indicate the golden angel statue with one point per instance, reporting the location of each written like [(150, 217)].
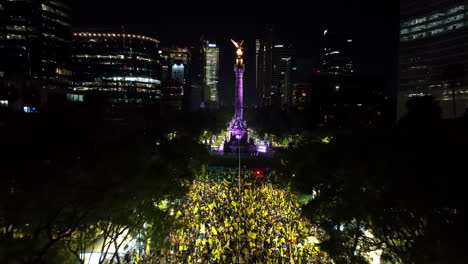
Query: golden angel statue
[(239, 53)]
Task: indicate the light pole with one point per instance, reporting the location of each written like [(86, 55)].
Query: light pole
[(238, 137), (239, 147)]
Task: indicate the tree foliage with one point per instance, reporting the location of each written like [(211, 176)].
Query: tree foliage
[(398, 191), (80, 189)]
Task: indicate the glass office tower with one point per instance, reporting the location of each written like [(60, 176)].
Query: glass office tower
[(434, 54), (35, 52)]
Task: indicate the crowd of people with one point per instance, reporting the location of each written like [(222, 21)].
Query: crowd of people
[(227, 219)]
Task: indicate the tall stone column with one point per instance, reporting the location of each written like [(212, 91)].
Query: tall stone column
[(239, 106), (238, 125)]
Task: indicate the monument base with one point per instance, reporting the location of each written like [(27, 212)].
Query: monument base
[(239, 139)]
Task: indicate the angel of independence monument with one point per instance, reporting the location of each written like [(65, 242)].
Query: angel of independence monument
[(238, 127)]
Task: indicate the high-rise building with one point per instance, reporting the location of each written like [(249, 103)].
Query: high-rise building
[(177, 60), (196, 76), (434, 54), (176, 85), (276, 66), (263, 55), (115, 68), (283, 72), (336, 53), (35, 53), (211, 59), (334, 95)]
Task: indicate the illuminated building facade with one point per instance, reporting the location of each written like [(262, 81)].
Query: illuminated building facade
[(116, 68), (275, 70), (197, 75), (177, 62), (263, 55), (211, 55), (176, 83), (283, 72), (434, 54), (35, 53), (336, 53)]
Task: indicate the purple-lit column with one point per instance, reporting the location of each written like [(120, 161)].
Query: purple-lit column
[(239, 107)]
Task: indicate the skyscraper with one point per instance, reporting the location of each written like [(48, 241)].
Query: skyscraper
[(336, 53), (35, 52), (116, 68), (211, 55), (275, 62), (283, 72), (197, 76), (176, 85), (264, 66), (434, 54)]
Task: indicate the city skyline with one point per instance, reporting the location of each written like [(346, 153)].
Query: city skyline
[(375, 33), (168, 132)]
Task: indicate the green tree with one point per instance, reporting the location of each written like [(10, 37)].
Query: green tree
[(388, 191)]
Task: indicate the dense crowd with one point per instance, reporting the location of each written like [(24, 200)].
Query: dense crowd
[(225, 219)]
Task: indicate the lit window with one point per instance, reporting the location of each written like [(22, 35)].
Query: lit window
[(455, 9), (437, 31), (435, 16), (15, 37), (54, 11)]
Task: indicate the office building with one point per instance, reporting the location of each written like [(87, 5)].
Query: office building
[(35, 53), (176, 82), (276, 66), (175, 61), (196, 76), (434, 54), (115, 68), (211, 74), (283, 73), (263, 56), (336, 53), (334, 95)]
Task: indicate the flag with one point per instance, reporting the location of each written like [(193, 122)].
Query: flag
[(214, 231), (178, 214), (250, 210), (252, 234)]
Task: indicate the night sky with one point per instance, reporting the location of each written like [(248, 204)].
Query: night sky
[(374, 25)]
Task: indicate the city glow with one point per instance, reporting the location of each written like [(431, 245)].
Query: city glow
[(113, 35), (134, 79)]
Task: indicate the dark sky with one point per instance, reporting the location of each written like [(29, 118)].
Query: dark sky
[(374, 25)]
